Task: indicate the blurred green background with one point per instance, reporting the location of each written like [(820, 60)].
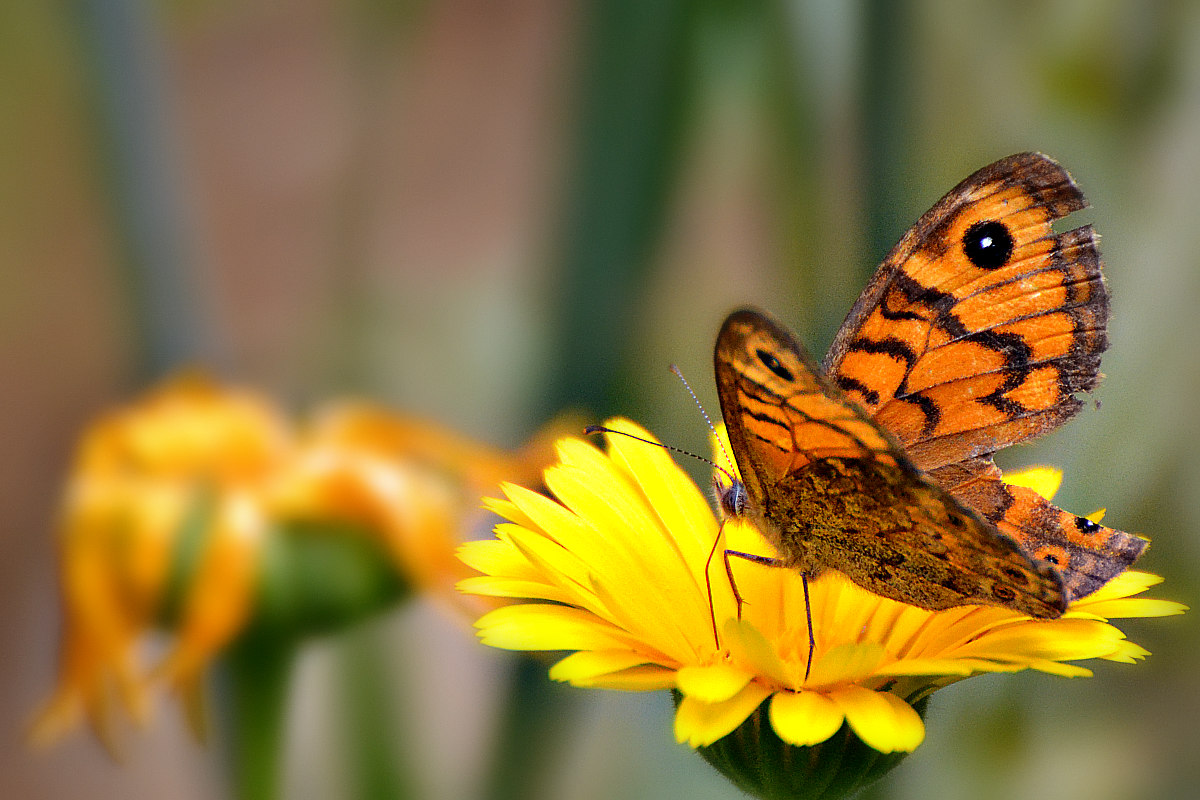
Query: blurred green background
[(485, 211)]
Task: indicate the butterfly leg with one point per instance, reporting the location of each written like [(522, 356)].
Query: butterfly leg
[(812, 639), (712, 611), (767, 561)]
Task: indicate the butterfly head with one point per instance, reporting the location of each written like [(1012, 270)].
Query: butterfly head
[(731, 495)]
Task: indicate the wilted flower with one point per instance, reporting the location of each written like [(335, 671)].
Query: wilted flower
[(172, 504)]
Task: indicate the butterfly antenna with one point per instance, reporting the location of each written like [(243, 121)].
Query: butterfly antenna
[(679, 374), (592, 429)]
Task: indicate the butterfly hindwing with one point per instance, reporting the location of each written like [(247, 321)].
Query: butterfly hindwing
[(833, 489), (1086, 554), (977, 332)]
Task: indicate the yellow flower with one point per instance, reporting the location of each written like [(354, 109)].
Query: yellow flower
[(614, 566), (171, 503)]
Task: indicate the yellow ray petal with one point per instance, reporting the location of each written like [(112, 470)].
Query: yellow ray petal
[(513, 588), (1060, 669), (679, 504), (643, 678), (1043, 480), (1123, 607), (1127, 652), (1061, 639), (846, 663), (549, 627), (498, 556), (1129, 582), (712, 684), (804, 718), (700, 724), (747, 645), (590, 664), (882, 720), (926, 666), (218, 602)]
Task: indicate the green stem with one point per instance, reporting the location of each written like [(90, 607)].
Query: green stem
[(887, 97), (123, 66), (259, 670), (377, 768), (633, 100)]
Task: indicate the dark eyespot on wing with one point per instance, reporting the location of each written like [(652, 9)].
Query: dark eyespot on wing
[(988, 244), (772, 363)]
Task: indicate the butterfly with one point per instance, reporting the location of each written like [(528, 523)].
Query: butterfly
[(976, 332)]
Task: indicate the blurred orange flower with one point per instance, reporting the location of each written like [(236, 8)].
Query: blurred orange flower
[(171, 500)]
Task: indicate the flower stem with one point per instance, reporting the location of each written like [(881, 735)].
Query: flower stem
[(259, 670)]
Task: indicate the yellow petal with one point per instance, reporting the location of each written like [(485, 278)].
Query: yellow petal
[(506, 508), (1129, 582), (680, 505), (882, 720), (926, 666), (217, 603), (549, 627), (635, 547), (643, 678), (589, 664), (804, 718), (1127, 652), (513, 588), (497, 557), (1060, 669), (1061, 639), (558, 563), (748, 646), (1135, 607), (846, 663), (1043, 480), (712, 684), (700, 724), (633, 564)]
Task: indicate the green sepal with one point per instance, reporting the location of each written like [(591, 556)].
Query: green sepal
[(761, 764)]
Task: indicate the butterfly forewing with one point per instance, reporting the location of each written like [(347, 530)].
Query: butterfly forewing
[(977, 332), (834, 490), (959, 348)]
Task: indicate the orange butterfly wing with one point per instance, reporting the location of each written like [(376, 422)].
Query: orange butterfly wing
[(976, 332), (831, 488)]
